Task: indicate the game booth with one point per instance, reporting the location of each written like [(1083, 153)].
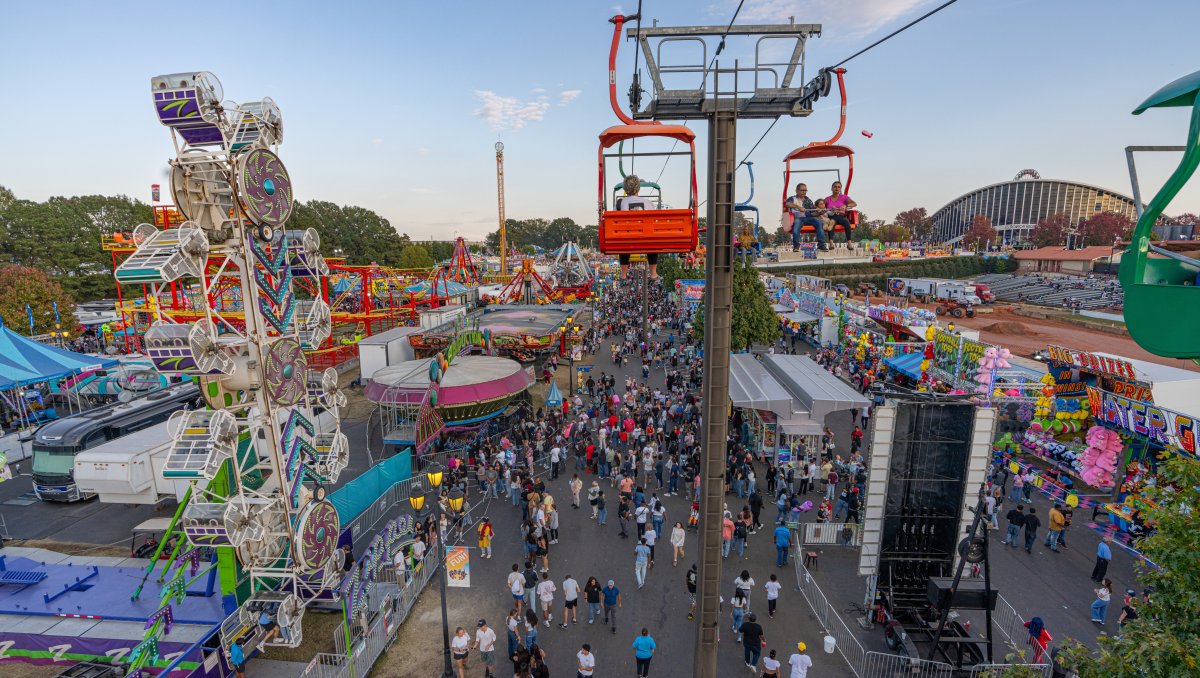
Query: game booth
[(781, 401), (1098, 432)]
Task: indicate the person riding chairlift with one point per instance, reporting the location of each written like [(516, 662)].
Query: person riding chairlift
[(632, 201)]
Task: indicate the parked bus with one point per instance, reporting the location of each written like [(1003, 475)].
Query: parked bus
[(56, 443)]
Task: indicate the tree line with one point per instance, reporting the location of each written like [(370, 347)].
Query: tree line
[(61, 237)]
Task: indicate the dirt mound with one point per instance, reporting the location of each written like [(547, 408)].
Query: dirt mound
[(1011, 327)]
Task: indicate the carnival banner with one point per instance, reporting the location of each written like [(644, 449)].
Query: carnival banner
[(458, 567), (956, 358), (810, 303), (690, 291), (1170, 429)]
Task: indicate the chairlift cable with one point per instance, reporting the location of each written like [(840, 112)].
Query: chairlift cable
[(858, 53), (896, 32), (760, 140)]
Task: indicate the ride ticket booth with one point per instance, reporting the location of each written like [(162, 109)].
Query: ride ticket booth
[(783, 402)]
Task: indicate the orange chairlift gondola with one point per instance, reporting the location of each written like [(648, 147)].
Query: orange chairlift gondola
[(823, 149), (643, 231)]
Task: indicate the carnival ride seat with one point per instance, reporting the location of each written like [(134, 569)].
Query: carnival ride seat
[(190, 104), (312, 322), (166, 255), (815, 151), (187, 348), (648, 231), (260, 123), (1156, 280), (285, 609), (745, 206), (203, 440)]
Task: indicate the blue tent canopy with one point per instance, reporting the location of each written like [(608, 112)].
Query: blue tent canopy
[(25, 361), (554, 397), (908, 364)]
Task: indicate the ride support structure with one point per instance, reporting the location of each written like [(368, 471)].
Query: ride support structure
[(764, 90)]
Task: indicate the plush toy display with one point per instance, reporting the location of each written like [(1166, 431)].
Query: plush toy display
[(1100, 458)]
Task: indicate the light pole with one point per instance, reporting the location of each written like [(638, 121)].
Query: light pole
[(416, 499), (565, 331)]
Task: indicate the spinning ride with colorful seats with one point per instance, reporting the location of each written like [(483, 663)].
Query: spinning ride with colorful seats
[(259, 458)]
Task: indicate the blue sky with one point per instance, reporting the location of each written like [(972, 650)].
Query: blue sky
[(396, 106)]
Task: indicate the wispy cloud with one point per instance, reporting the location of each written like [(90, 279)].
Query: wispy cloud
[(538, 90), (509, 113), (422, 190), (424, 152), (567, 96), (846, 19), (377, 141)]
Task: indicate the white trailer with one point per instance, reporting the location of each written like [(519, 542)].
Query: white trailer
[(129, 470), (384, 350), (956, 290)]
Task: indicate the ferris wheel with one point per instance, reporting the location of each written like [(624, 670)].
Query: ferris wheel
[(259, 458)]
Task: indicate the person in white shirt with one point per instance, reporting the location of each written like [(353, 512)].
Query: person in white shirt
[(400, 564), (570, 589), (587, 660), (632, 201), (800, 662), (772, 588), (545, 593), (460, 645), (650, 536), (516, 586), (770, 665), (485, 642)]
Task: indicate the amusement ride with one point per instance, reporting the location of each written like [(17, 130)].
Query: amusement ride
[(260, 456)]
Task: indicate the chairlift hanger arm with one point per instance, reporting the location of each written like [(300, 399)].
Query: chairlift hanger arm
[(618, 21)]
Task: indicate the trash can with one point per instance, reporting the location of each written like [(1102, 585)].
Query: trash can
[(830, 644)]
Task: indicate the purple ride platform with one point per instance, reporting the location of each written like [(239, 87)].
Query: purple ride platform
[(90, 616)]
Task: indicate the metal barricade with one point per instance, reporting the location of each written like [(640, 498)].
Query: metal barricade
[(327, 665), (885, 665), (833, 534), (831, 623), (1007, 622)]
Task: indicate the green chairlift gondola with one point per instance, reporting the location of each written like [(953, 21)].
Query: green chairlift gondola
[(1162, 299)]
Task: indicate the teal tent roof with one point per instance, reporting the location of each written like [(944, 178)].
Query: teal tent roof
[(24, 361), (554, 397)]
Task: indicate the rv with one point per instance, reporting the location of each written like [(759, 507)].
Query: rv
[(56, 444)]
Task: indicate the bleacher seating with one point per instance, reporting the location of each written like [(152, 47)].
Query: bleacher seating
[(1092, 292)]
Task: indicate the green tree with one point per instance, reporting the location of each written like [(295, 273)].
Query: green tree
[(1165, 638), (356, 233), (671, 268), (414, 256), (27, 285), (754, 321)]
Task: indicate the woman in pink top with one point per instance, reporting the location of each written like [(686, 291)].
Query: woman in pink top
[(838, 204)]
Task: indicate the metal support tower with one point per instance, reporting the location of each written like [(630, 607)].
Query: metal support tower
[(763, 90), (718, 293), (500, 202)]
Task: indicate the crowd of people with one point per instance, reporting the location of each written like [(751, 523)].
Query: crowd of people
[(623, 445)]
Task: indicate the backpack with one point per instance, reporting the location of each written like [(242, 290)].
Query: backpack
[(530, 579), (739, 530)]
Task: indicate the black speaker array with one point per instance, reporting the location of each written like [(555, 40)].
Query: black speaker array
[(925, 495)]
